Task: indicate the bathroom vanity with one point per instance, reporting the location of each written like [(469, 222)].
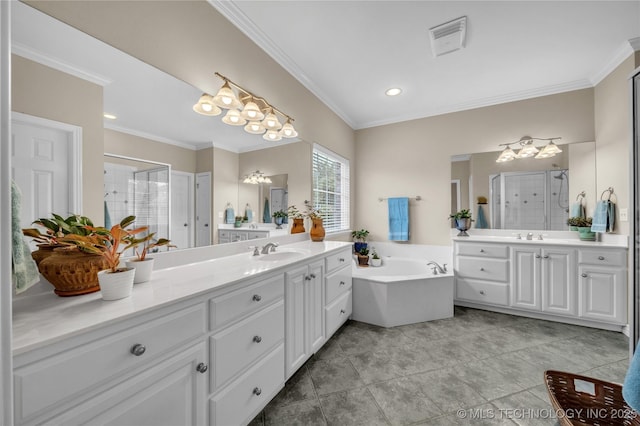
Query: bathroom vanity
[(557, 279), (210, 342), (230, 234)]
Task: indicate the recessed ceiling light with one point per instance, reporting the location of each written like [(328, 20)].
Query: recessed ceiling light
[(109, 116), (394, 91)]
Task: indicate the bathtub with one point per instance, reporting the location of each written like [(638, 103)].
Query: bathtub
[(401, 291)]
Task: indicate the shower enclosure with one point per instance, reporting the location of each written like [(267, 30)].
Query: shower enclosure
[(530, 200)]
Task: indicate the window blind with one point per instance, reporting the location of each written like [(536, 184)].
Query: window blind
[(331, 189)]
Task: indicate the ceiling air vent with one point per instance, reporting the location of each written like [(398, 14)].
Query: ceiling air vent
[(448, 37)]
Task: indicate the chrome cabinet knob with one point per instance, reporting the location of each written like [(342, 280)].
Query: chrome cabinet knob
[(584, 275), (186, 224), (546, 256), (600, 257), (482, 292), (138, 349), (481, 250), (342, 312), (202, 368), (538, 256), (313, 276), (257, 298), (342, 283), (257, 339), (307, 278), (482, 269), (257, 391), (341, 259)]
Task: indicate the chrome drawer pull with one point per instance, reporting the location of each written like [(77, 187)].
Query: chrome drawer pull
[(138, 349), (341, 259), (342, 283), (481, 250), (538, 256), (482, 269), (600, 257), (313, 275), (482, 292), (257, 339), (342, 312), (202, 368), (257, 391), (257, 298), (307, 278), (584, 275), (546, 256)]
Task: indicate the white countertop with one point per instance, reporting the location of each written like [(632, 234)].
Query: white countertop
[(609, 243), (46, 318)]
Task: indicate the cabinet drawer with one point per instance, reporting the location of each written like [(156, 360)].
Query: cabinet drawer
[(239, 402), (483, 269), (603, 257), (50, 382), (337, 260), (238, 304), (337, 283), (337, 313), (483, 250), (224, 234), (483, 292), (242, 344)]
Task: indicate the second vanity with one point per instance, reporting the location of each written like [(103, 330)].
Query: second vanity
[(564, 280), (210, 342)]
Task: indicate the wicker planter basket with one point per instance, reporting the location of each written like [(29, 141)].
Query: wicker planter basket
[(72, 272), (595, 402)]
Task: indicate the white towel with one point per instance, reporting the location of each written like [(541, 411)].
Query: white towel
[(24, 272)]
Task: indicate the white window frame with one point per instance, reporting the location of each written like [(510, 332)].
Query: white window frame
[(343, 223)]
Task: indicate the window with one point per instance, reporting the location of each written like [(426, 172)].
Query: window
[(331, 188)]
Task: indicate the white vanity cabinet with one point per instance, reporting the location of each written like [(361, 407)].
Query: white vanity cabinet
[(118, 374), (575, 283), (544, 279), (233, 235), (337, 290), (602, 278), (304, 314)]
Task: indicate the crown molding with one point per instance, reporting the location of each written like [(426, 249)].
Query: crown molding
[(55, 63), (149, 136), (229, 10), (623, 52)]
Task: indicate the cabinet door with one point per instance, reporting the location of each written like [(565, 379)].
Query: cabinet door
[(315, 306), (172, 392), (526, 278), (559, 281), (603, 294), (296, 351)]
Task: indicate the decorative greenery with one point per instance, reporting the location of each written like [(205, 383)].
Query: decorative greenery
[(149, 244), (311, 212), (462, 214), (294, 213), (374, 254), (279, 213), (363, 252), (580, 222), (105, 242), (360, 236), (57, 227)]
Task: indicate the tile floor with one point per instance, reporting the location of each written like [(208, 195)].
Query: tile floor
[(483, 363)]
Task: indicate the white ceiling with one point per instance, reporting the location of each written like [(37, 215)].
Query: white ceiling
[(349, 52)]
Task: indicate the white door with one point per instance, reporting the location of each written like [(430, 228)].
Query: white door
[(559, 281), (203, 209), (315, 306), (296, 349), (182, 209), (278, 199), (44, 166), (526, 278)]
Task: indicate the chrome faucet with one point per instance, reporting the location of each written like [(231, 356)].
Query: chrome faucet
[(441, 269), (530, 236), (272, 246)]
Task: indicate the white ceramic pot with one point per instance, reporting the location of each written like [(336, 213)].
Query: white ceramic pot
[(116, 285), (144, 268), (375, 262)]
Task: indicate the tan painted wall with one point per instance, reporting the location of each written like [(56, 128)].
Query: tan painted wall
[(413, 158), (135, 146), (613, 135), (582, 163), (460, 170), (44, 92), (225, 186)]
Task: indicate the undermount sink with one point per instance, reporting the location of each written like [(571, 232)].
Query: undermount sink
[(281, 254)]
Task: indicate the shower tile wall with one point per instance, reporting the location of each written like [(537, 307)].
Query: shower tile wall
[(524, 201), (558, 201), (118, 185)]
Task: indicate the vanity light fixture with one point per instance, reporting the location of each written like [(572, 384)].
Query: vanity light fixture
[(244, 108), (256, 178), (528, 149)]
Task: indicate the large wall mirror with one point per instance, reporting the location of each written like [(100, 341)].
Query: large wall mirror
[(527, 193), (153, 157)]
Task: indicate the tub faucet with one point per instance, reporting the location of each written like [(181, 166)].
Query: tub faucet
[(272, 246), (437, 268)]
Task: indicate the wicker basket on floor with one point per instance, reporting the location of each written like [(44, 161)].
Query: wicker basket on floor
[(595, 402)]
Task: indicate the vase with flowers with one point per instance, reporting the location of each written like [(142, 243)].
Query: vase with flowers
[(317, 231), (298, 219)]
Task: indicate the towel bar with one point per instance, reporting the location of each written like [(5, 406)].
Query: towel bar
[(417, 198), (581, 194), (610, 191)]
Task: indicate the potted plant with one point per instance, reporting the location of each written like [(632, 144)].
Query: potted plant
[(238, 222), (144, 265), (317, 231), (115, 282), (584, 229), (462, 221), (360, 239), (279, 217), (363, 257), (375, 259), (298, 219), (575, 222)]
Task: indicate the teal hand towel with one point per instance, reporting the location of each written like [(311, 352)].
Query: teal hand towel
[(229, 214), (603, 217), (577, 210), (398, 219), (481, 221), (24, 272), (631, 386), (248, 213)]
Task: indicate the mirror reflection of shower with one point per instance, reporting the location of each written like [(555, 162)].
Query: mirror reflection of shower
[(530, 200)]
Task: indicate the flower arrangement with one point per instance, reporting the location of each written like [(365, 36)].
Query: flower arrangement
[(294, 213), (311, 212)]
